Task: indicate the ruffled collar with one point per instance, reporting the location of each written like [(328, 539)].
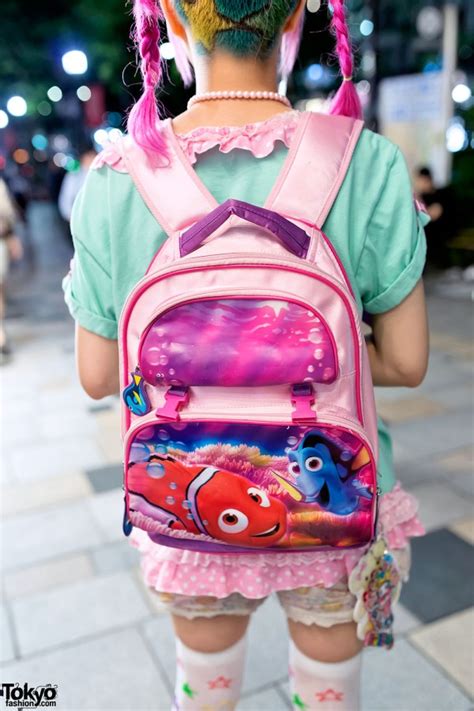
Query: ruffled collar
[(259, 138)]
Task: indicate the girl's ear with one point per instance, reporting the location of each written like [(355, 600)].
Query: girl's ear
[(292, 22), (172, 19)]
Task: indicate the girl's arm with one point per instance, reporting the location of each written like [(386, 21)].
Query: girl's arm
[(399, 345), (97, 363)]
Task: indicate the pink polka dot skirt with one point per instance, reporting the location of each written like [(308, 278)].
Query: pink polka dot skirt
[(257, 575)]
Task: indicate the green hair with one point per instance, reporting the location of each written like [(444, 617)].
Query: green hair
[(243, 27)]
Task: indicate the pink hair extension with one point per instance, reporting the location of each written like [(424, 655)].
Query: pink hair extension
[(346, 102), (289, 48), (143, 119), (181, 58)]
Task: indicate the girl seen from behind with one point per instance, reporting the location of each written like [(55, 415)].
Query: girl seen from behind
[(235, 141)]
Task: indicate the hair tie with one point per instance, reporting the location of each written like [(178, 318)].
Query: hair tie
[(347, 78)]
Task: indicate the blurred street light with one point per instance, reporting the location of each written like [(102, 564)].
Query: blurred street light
[(313, 75), (39, 141), (54, 93), (114, 134), (44, 108), (40, 156), (456, 137), (3, 119), (366, 28), (84, 93), (21, 156), (16, 106), (60, 142), (167, 50), (74, 62), (60, 160), (100, 136), (461, 93), (429, 22)]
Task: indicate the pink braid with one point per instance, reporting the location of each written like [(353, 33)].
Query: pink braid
[(346, 102), (144, 116)]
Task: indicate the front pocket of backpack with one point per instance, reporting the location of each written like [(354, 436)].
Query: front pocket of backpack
[(238, 341), (244, 486)]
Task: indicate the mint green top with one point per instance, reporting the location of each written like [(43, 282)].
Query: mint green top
[(373, 226)]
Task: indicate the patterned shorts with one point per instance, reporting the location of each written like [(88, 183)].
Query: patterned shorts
[(310, 605)]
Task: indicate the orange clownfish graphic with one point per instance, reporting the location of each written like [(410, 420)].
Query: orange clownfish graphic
[(204, 499)]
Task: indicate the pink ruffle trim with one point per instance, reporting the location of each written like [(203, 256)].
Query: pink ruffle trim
[(259, 138), (110, 156), (257, 575)]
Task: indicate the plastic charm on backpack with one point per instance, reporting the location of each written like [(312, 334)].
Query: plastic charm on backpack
[(135, 395), (376, 583)]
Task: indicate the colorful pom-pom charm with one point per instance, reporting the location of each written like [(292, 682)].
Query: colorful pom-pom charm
[(376, 583)]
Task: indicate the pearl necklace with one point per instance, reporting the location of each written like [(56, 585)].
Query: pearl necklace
[(218, 95)]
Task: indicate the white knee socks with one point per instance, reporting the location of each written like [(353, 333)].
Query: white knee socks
[(323, 685), (208, 681)]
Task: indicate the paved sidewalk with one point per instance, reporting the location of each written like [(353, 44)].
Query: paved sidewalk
[(74, 610)]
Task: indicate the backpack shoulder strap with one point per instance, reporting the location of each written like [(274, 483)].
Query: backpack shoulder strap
[(306, 190), (171, 191)]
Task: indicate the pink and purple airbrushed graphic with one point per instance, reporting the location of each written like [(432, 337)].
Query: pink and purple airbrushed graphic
[(266, 342)]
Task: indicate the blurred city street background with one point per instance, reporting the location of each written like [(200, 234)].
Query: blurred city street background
[(75, 612)]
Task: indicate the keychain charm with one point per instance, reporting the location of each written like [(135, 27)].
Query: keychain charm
[(376, 583)]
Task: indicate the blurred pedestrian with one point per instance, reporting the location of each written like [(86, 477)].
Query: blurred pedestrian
[(54, 180), (10, 249), (20, 190), (439, 204), (73, 182)]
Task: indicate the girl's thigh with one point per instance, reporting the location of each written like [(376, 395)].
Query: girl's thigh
[(206, 623), (320, 620)]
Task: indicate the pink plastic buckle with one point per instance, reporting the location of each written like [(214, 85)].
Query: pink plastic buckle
[(175, 399), (302, 399)]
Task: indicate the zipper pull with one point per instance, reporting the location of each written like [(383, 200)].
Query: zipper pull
[(176, 397), (302, 399)]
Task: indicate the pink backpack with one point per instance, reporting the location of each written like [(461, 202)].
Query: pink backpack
[(249, 420)]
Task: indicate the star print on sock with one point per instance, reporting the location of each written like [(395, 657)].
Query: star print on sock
[(188, 691), (220, 682), (298, 702), (329, 695)]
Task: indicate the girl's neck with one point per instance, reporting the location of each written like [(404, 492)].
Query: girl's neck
[(225, 72)]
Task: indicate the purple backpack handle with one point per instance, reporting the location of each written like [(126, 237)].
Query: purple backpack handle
[(293, 237)]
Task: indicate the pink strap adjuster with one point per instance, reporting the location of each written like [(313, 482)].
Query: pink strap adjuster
[(302, 399), (175, 399)]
